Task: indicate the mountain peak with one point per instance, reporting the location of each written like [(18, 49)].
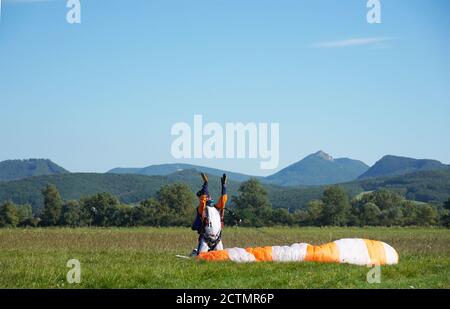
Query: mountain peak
[(323, 155), (18, 169), (319, 168), (390, 165)]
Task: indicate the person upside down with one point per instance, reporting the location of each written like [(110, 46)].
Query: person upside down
[(209, 218)]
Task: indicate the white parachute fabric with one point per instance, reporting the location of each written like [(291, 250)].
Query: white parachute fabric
[(353, 251), (294, 253), (240, 255)]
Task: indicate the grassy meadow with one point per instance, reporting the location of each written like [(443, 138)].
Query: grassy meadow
[(145, 258)]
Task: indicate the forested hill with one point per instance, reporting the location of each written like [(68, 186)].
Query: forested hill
[(167, 169), (426, 186), (128, 188), (431, 186), (394, 165), (19, 169), (318, 169)]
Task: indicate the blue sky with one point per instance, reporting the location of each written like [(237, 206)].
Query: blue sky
[(106, 92)]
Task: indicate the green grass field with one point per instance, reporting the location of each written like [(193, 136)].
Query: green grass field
[(145, 258)]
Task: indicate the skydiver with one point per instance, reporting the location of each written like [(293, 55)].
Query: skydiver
[(205, 243)]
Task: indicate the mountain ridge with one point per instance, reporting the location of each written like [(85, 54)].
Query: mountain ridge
[(19, 169), (319, 168), (169, 168), (391, 165), (316, 169), (424, 186)]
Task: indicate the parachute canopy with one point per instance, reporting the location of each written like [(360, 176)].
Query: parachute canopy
[(354, 251)]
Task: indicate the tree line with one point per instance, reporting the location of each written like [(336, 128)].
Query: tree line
[(174, 205)]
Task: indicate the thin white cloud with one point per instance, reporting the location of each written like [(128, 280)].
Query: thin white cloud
[(352, 42)]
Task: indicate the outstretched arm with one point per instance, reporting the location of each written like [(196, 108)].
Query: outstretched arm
[(224, 197), (203, 194)]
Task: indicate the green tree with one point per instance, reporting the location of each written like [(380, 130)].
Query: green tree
[(96, 208), (336, 206), (178, 201), (410, 213), (447, 204), (281, 216), (392, 216), (315, 213), (252, 203), (150, 212), (71, 214), (8, 215), (25, 214), (121, 215), (370, 214), (384, 199), (427, 215), (445, 214), (300, 217), (389, 203), (52, 206), (141, 215)]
